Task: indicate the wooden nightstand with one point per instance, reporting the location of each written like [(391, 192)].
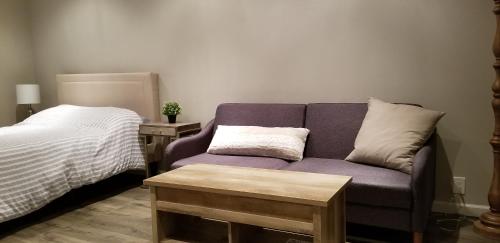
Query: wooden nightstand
[(156, 136)]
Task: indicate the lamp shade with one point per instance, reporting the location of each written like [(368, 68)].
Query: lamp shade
[(28, 94)]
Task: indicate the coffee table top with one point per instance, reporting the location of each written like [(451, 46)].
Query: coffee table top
[(289, 186)]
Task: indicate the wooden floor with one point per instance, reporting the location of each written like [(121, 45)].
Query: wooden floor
[(118, 210)]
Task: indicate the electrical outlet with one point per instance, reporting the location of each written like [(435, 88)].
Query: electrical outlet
[(459, 185)]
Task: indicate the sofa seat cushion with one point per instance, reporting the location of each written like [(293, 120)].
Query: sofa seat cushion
[(370, 185), (244, 161)]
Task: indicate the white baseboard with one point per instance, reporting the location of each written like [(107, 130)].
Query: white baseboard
[(459, 208)]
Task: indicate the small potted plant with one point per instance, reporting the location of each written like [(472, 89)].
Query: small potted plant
[(171, 110)]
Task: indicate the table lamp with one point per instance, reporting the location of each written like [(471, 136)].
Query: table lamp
[(28, 94)]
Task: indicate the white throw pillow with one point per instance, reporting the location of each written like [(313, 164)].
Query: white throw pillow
[(278, 142), (391, 134)]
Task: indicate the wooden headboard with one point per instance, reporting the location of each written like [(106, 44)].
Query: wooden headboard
[(134, 91)]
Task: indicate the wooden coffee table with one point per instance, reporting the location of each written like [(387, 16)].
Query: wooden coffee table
[(247, 201)]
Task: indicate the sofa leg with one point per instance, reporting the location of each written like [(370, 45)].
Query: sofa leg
[(418, 237)]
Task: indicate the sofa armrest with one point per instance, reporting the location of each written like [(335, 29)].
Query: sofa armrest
[(423, 184), (188, 146)]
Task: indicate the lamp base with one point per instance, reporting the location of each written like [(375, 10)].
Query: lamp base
[(30, 110)]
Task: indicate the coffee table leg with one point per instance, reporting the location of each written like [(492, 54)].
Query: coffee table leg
[(163, 222), (155, 217), (339, 221), (329, 222)]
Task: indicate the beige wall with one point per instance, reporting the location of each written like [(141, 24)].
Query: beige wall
[(16, 60), (436, 53)]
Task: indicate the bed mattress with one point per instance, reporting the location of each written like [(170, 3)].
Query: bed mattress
[(63, 148)]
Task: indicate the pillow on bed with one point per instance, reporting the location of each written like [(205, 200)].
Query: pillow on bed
[(391, 134), (279, 142)]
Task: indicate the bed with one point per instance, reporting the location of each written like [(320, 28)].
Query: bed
[(90, 136)]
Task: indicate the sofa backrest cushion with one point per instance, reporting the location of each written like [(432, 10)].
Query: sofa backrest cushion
[(333, 128), (265, 115)]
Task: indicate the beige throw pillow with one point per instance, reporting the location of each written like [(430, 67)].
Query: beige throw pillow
[(278, 142), (391, 134)]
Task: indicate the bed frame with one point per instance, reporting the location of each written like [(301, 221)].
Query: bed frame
[(134, 91), (489, 222)]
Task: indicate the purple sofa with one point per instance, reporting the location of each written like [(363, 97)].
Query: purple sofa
[(377, 196)]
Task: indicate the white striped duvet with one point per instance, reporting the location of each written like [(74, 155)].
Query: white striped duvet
[(62, 148)]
